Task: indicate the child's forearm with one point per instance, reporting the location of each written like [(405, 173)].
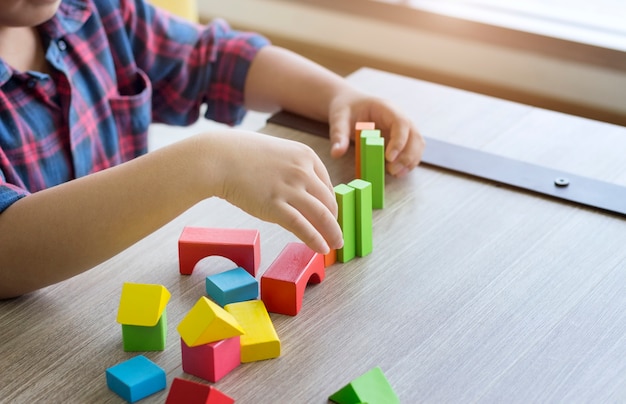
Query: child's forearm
[(279, 78), (57, 233)]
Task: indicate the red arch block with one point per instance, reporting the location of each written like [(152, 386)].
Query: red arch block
[(283, 283), (241, 246)]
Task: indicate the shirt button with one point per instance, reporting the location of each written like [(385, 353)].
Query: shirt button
[(31, 83), (62, 45)]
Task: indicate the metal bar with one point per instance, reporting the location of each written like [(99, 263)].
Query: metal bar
[(543, 180)]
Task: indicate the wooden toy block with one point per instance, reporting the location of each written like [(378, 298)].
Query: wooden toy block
[(136, 378), (188, 392), (141, 338), (213, 361), (358, 127), (364, 225), (371, 387), (260, 341), (142, 304), (207, 322), (241, 246), (284, 281), (373, 170), (363, 136), (347, 221), (330, 258), (235, 285)]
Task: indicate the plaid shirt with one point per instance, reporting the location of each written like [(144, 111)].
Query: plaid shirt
[(117, 65)]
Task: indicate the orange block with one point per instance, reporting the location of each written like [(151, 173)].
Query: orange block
[(283, 283), (358, 127), (241, 246)]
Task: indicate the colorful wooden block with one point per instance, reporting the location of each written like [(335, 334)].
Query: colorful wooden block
[(358, 128), (259, 341), (347, 221), (136, 378), (330, 258), (363, 136), (242, 246), (284, 281), (373, 163), (371, 387), (212, 361), (188, 392), (234, 285), (141, 338), (142, 304), (364, 222), (207, 322)]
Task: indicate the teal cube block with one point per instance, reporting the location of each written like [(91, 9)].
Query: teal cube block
[(136, 378), (232, 286), (137, 338)]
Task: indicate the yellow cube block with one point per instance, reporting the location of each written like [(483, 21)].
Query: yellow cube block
[(260, 340), (207, 322), (142, 304)]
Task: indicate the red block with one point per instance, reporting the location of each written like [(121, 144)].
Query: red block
[(241, 246), (283, 283), (213, 361), (188, 392)]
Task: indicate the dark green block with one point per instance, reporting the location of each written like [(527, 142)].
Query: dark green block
[(139, 338)]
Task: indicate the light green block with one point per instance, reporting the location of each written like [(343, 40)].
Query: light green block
[(345, 196), (372, 387), (364, 226), (366, 134), (373, 169), (139, 338)]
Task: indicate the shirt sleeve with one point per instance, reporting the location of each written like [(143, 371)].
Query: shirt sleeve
[(9, 193), (190, 64)]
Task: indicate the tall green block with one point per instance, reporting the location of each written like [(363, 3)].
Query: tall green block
[(364, 225), (345, 196), (139, 338), (365, 134), (373, 168), (372, 388)]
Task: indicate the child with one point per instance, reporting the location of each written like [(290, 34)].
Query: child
[(81, 80)]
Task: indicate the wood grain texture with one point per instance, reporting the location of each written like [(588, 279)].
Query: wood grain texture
[(473, 292)]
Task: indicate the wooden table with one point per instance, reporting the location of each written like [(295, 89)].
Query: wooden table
[(474, 292)]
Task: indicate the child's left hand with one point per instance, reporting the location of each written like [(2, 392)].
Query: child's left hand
[(403, 143)]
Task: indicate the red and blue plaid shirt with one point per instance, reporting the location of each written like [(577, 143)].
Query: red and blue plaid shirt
[(117, 66)]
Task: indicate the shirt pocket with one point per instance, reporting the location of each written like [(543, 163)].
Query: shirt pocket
[(132, 112)]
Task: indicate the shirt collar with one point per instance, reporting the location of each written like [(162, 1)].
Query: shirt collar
[(69, 18)]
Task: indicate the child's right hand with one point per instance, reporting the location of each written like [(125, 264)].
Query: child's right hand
[(280, 181)]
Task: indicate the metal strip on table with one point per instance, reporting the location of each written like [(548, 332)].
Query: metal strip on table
[(543, 180)]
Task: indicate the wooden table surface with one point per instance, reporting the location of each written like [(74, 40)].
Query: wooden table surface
[(473, 293)]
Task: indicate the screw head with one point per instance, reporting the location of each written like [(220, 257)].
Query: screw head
[(561, 182)]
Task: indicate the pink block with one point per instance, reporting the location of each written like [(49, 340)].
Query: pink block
[(241, 246), (212, 361), (283, 283)]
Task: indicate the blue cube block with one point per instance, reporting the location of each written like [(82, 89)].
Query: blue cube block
[(136, 378), (232, 286)]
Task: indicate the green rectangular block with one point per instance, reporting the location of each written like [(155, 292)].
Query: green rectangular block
[(364, 225), (345, 196), (373, 169), (365, 134), (138, 338)]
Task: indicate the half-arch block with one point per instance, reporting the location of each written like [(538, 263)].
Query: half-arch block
[(283, 283), (242, 246)]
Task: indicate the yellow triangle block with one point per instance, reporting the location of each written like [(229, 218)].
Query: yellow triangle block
[(260, 340), (142, 304), (207, 322)]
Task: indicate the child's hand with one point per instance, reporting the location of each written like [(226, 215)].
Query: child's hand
[(283, 182), (403, 143)]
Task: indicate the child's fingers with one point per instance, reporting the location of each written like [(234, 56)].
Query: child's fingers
[(339, 122)]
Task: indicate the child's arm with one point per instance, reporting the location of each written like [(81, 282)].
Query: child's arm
[(281, 79), (60, 232)]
